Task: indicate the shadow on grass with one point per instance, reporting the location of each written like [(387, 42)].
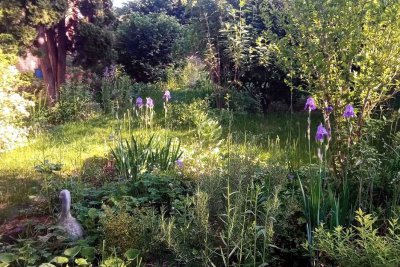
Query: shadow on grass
[(17, 190)]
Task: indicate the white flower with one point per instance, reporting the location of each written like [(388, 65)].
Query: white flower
[(13, 70)]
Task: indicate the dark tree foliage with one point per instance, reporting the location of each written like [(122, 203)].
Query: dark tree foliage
[(19, 20), (94, 46), (231, 32), (170, 7), (98, 12), (22, 22), (48, 28), (146, 44)]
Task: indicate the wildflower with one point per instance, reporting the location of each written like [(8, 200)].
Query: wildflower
[(139, 102), (290, 176), (149, 102), (348, 111), (179, 162), (329, 109), (167, 96), (321, 133), (310, 104)]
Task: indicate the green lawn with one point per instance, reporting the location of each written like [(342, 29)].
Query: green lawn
[(70, 144)]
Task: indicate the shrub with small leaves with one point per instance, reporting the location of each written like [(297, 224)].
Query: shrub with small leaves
[(361, 244)]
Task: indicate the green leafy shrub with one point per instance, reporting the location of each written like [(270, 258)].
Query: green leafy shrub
[(189, 76), (325, 42), (197, 115), (116, 90), (123, 230), (98, 170), (160, 191), (361, 244), (146, 44), (94, 44), (75, 103)]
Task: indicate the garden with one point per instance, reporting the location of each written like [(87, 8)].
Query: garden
[(199, 133)]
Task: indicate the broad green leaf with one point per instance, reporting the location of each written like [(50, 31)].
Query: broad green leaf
[(88, 253), (92, 213), (113, 262), (132, 254), (81, 262), (72, 252), (60, 260), (7, 257)]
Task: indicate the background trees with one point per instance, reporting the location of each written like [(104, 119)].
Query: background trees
[(22, 22), (146, 44), (48, 29), (266, 50), (343, 51)]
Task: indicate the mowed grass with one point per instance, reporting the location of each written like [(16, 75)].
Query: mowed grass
[(268, 137)]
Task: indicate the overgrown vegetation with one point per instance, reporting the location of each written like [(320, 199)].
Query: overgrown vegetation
[(201, 133)]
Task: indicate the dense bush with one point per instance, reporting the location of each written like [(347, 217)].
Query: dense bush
[(196, 115), (361, 244), (75, 103), (124, 231), (117, 90), (95, 45), (364, 40), (146, 43), (237, 189)]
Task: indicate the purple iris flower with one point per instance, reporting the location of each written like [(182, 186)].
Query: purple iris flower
[(329, 109), (179, 162), (321, 133), (167, 96), (139, 102), (349, 111), (310, 104), (149, 102)]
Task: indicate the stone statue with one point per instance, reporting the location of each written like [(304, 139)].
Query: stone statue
[(69, 223)]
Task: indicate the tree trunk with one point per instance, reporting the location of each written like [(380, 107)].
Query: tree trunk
[(62, 52), (46, 66), (53, 58), (53, 47)]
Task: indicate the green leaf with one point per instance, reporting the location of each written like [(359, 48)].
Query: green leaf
[(132, 254), (113, 262), (7, 257), (60, 260), (72, 252), (3, 264), (81, 262), (88, 253), (93, 213)]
